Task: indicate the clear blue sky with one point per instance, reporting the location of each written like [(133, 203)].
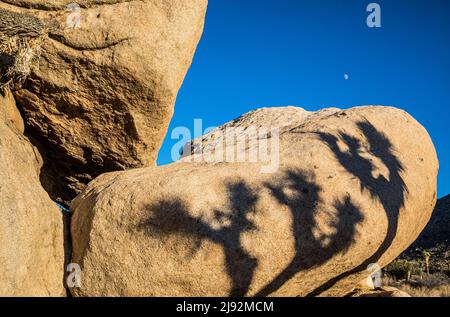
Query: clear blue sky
[(258, 53)]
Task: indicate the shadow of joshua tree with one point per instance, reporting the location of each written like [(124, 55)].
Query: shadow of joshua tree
[(303, 203), (172, 216), (300, 193), (390, 192)]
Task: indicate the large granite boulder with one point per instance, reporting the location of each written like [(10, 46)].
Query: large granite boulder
[(31, 226), (238, 134), (101, 82), (349, 189)]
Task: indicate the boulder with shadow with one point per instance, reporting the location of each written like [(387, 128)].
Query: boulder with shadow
[(313, 205)]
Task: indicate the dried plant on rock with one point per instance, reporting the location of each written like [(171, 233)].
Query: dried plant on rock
[(20, 36)]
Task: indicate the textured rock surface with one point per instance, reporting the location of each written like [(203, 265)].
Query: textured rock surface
[(31, 242), (354, 187), (260, 118), (9, 112), (101, 94), (385, 291)]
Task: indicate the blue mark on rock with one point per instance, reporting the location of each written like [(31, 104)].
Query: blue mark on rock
[(62, 207)]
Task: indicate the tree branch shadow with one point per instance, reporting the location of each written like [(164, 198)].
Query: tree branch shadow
[(299, 192), (240, 264), (311, 251), (390, 192)]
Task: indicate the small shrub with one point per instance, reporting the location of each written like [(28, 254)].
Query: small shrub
[(399, 269)]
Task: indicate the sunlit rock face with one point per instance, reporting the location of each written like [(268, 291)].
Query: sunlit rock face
[(352, 188), (103, 82), (31, 226)]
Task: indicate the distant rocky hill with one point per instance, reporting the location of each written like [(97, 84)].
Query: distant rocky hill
[(437, 232), (434, 240), (429, 253)]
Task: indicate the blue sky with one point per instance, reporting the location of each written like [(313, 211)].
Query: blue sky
[(257, 53)]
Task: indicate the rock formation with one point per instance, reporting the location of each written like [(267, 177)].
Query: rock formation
[(9, 114), (279, 202), (353, 188), (258, 119), (31, 233), (102, 83)]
